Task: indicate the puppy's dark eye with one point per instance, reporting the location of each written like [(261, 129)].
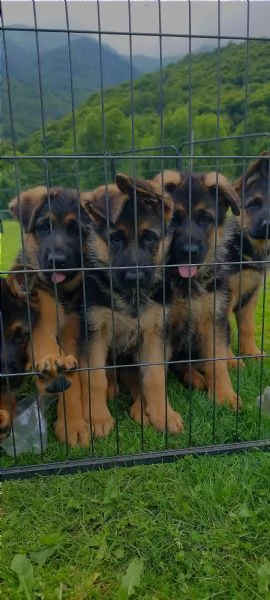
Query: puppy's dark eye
[(43, 227), (149, 238), (117, 238), (205, 219), (255, 204), (73, 227), (21, 337), (178, 219)]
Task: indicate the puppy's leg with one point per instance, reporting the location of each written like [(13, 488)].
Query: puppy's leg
[(7, 413), (191, 376), (157, 406), (70, 426), (48, 358), (233, 361), (217, 377), (113, 388), (245, 317), (130, 377), (95, 388)]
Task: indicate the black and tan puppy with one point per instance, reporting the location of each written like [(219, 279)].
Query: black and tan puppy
[(247, 250), (126, 315), (54, 226), (199, 322), (18, 318)]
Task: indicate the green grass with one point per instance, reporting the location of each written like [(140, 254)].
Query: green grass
[(200, 528), (10, 244)]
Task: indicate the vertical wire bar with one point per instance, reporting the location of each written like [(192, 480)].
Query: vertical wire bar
[(190, 215), (47, 180), (161, 99), (242, 211), (216, 221), (264, 300), (74, 133), (104, 137), (135, 217)]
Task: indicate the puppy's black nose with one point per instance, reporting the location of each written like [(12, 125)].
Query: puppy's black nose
[(132, 276), (193, 250), (57, 260)]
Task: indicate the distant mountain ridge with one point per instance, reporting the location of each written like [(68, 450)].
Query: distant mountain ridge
[(22, 62)]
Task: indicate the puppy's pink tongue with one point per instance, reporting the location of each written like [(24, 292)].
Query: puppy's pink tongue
[(187, 271), (58, 277)]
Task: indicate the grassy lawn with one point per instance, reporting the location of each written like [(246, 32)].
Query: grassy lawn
[(10, 244), (195, 530)]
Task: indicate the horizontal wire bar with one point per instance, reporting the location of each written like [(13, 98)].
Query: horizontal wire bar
[(142, 364), (239, 38), (118, 156), (93, 270)]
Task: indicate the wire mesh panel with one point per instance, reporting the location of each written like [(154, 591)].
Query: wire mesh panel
[(135, 302)]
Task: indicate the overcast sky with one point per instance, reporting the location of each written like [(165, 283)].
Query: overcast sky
[(114, 16)]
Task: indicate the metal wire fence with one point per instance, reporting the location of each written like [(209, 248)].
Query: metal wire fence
[(72, 315)]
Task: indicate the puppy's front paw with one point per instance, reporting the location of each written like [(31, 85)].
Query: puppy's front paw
[(51, 365), (73, 433)]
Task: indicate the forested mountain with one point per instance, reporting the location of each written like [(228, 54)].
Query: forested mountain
[(55, 76), (214, 94), (148, 64)]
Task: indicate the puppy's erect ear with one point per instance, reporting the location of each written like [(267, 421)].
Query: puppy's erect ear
[(258, 169), (24, 207), (170, 180), (226, 191), (147, 191), (105, 202)]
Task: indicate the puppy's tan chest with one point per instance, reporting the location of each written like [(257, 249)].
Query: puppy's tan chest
[(125, 331), (244, 283)]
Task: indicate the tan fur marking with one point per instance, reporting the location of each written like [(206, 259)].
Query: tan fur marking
[(14, 326), (157, 406), (217, 179), (252, 172), (216, 372), (32, 196), (69, 407), (94, 386), (243, 284), (47, 216), (167, 177), (7, 411), (69, 218), (202, 312), (246, 326)]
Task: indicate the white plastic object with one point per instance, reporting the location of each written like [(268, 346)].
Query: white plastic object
[(29, 428), (264, 400)]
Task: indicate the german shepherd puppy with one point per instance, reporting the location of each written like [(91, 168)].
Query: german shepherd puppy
[(199, 324), (53, 236), (247, 241), (15, 336), (126, 316)]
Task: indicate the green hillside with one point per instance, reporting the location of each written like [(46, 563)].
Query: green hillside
[(22, 61), (208, 74)]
